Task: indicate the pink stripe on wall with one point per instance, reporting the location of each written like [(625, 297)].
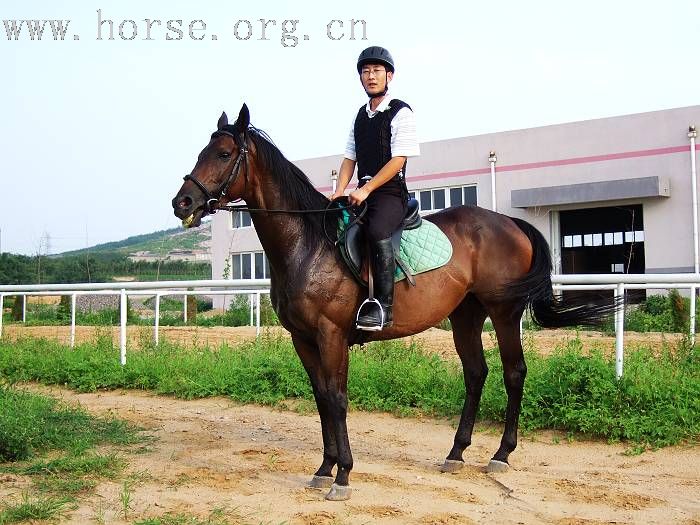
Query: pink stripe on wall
[(560, 162), (548, 163)]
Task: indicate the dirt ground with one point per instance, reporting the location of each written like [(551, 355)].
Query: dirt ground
[(255, 462), (433, 340)]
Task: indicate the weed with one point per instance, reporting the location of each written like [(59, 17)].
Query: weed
[(100, 514), (125, 495)]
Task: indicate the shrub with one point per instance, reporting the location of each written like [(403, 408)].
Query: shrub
[(680, 311), (16, 312)]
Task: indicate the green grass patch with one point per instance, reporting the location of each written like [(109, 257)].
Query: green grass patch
[(60, 485), (51, 443), (656, 403), (215, 517), (101, 466), (41, 508), (31, 423)]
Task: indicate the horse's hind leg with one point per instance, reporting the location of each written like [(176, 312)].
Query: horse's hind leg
[(506, 321), (467, 322)]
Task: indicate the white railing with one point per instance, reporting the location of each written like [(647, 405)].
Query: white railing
[(255, 287), (621, 282)]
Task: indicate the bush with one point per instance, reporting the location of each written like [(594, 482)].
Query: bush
[(16, 312), (660, 313), (680, 311)]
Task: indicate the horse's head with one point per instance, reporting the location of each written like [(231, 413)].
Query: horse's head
[(220, 173)]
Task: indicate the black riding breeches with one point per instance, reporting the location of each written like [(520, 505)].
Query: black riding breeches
[(385, 212)]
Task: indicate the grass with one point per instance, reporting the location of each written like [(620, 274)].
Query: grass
[(218, 516), (30, 424), (657, 403), (52, 444), (41, 508)]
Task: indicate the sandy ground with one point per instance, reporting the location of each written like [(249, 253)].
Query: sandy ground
[(433, 340), (255, 462)]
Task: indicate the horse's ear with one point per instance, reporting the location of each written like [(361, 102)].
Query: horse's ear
[(223, 121), (243, 119)]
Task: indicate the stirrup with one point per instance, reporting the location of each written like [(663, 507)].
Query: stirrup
[(374, 327)]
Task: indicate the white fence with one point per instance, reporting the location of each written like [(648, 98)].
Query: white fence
[(251, 287), (255, 287)]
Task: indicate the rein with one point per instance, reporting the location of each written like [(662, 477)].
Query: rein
[(328, 209)]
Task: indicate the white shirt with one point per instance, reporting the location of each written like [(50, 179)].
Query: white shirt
[(404, 141)]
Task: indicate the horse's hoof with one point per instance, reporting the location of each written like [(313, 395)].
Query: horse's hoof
[(452, 466), (339, 493), (320, 482), (497, 466)]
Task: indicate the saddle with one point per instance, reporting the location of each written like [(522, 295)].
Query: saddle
[(353, 246)]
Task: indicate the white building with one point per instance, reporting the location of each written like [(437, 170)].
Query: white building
[(610, 195)]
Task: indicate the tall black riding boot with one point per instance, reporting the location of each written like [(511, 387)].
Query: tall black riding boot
[(384, 266)]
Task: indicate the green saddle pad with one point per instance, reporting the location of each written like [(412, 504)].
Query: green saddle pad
[(423, 249)]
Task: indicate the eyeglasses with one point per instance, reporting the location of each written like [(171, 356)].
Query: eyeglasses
[(367, 71)]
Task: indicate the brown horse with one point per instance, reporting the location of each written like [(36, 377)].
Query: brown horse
[(500, 266)]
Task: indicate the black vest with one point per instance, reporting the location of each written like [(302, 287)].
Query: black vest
[(373, 147)]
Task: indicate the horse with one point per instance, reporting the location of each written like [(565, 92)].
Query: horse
[(499, 267)]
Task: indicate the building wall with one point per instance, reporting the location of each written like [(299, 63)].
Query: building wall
[(625, 147)]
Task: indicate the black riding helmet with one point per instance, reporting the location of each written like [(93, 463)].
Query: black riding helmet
[(375, 55)]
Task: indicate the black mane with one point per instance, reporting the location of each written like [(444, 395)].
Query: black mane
[(296, 190)]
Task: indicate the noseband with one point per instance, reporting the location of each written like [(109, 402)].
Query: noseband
[(212, 198)]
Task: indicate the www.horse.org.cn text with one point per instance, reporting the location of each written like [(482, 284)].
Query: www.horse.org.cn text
[(287, 32)]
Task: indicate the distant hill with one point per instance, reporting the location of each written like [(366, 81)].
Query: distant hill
[(160, 242)]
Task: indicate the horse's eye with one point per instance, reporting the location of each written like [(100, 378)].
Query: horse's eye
[(224, 155)]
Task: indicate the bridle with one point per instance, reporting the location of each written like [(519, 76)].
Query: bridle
[(212, 199)]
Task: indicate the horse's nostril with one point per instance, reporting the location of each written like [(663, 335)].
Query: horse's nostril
[(185, 202)]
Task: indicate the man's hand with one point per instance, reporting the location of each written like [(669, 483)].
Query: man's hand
[(337, 195), (358, 196)]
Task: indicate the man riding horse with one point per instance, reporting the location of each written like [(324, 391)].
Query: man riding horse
[(383, 135)]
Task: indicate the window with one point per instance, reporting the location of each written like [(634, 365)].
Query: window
[(441, 198), (251, 265), (602, 239), (240, 219)]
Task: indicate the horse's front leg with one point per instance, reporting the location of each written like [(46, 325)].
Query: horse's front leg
[(311, 359), (333, 391)]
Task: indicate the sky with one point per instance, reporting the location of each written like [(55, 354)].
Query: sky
[(96, 133)]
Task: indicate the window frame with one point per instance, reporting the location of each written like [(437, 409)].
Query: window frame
[(251, 257), (420, 193), (234, 214)]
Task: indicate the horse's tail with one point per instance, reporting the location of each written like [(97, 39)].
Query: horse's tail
[(534, 290)]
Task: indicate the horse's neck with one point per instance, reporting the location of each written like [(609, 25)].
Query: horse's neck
[(282, 235)]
